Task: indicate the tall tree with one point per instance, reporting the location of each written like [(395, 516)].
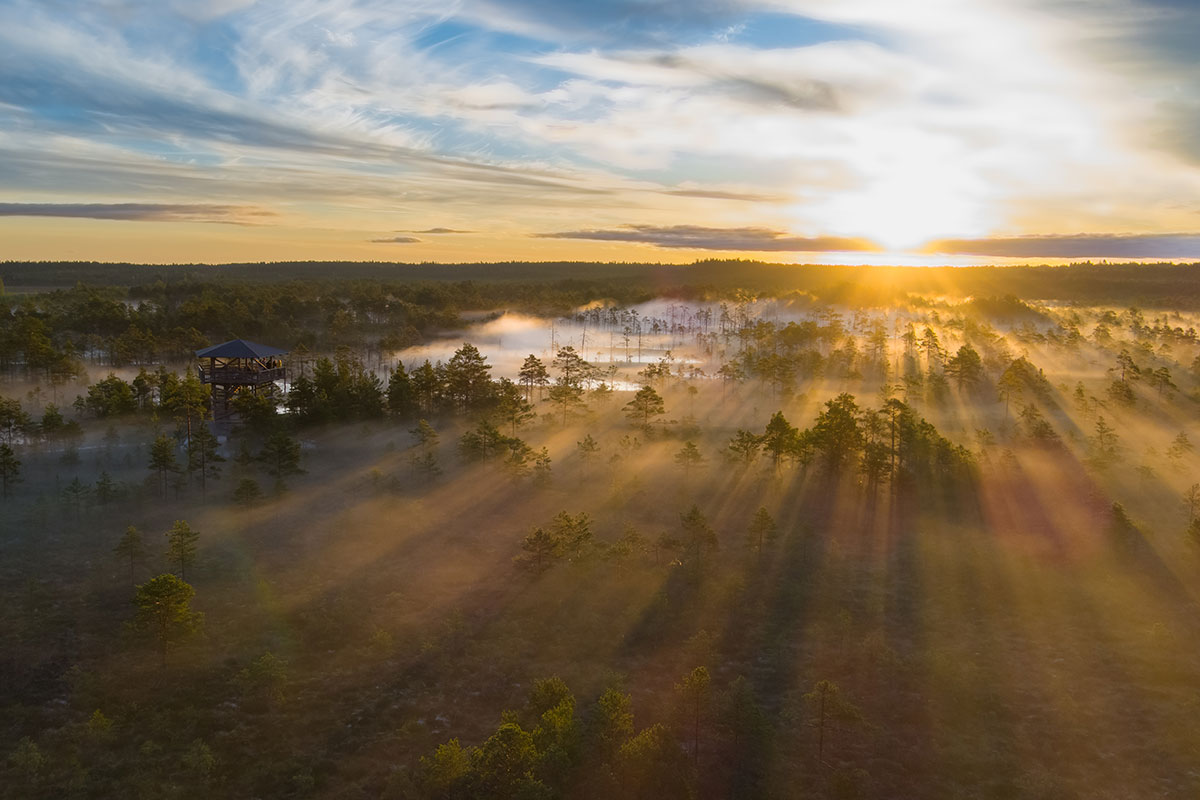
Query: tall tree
[(780, 439), (163, 460), (830, 711), (743, 447), (646, 403), (573, 369), (427, 387), (1106, 445), (511, 405), (966, 368), (14, 422), (10, 467), (203, 457), (182, 546), (694, 691), (762, 530), (568, 398), (699, 537), (688, 458), (163, 609), (280, 457), (467, 380), (401, 398), (131, 547), (836, 433), (533, 373), (187, 401), (588, 449)]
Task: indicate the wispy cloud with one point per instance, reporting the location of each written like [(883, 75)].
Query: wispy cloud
[(867, 120), (1165, 246), (719, 194), (695, 237), (397, 240), (142, 212)]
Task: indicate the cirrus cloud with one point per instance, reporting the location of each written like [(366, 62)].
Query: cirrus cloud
[(142, 212)]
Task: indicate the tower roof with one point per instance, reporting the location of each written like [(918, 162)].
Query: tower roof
[(239, 348)]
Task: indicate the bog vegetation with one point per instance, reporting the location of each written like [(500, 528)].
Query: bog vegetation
[(876, 534)]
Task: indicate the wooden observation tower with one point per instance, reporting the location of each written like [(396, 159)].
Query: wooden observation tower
[(239, 367)]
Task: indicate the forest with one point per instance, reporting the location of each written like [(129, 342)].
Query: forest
[(551, 531)]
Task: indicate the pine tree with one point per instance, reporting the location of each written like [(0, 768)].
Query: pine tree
[(688, 458), (466, 375), (182, 546), (511, 405), (646, 403), (533, 373), (568, 397), (164, 611), (10, 467), (133, 547), (203, 457), (162, 459), (401, 398), (762, 530), (280, 457), (699, 537), (106, 489)]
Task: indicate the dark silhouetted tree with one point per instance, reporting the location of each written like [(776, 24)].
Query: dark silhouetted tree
[(10, 468), (182, 546), (133, 548)]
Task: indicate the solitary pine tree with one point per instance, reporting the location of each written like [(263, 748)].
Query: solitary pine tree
[(646, 403), (164, 611)]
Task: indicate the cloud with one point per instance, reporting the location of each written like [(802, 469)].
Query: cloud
[(717, 194), (695, 237), (438, 230), (141, 212), (1092, 245), (397, 240)]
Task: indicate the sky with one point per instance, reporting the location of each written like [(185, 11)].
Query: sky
[(808, 131)]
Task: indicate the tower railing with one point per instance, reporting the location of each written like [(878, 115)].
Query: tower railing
[(230, 375)]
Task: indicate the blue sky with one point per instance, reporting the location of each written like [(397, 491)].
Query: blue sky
[(925, 131)]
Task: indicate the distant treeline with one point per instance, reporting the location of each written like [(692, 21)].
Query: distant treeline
[(1177, 285)]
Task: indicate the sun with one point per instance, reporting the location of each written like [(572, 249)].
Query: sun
[(907, 207)]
